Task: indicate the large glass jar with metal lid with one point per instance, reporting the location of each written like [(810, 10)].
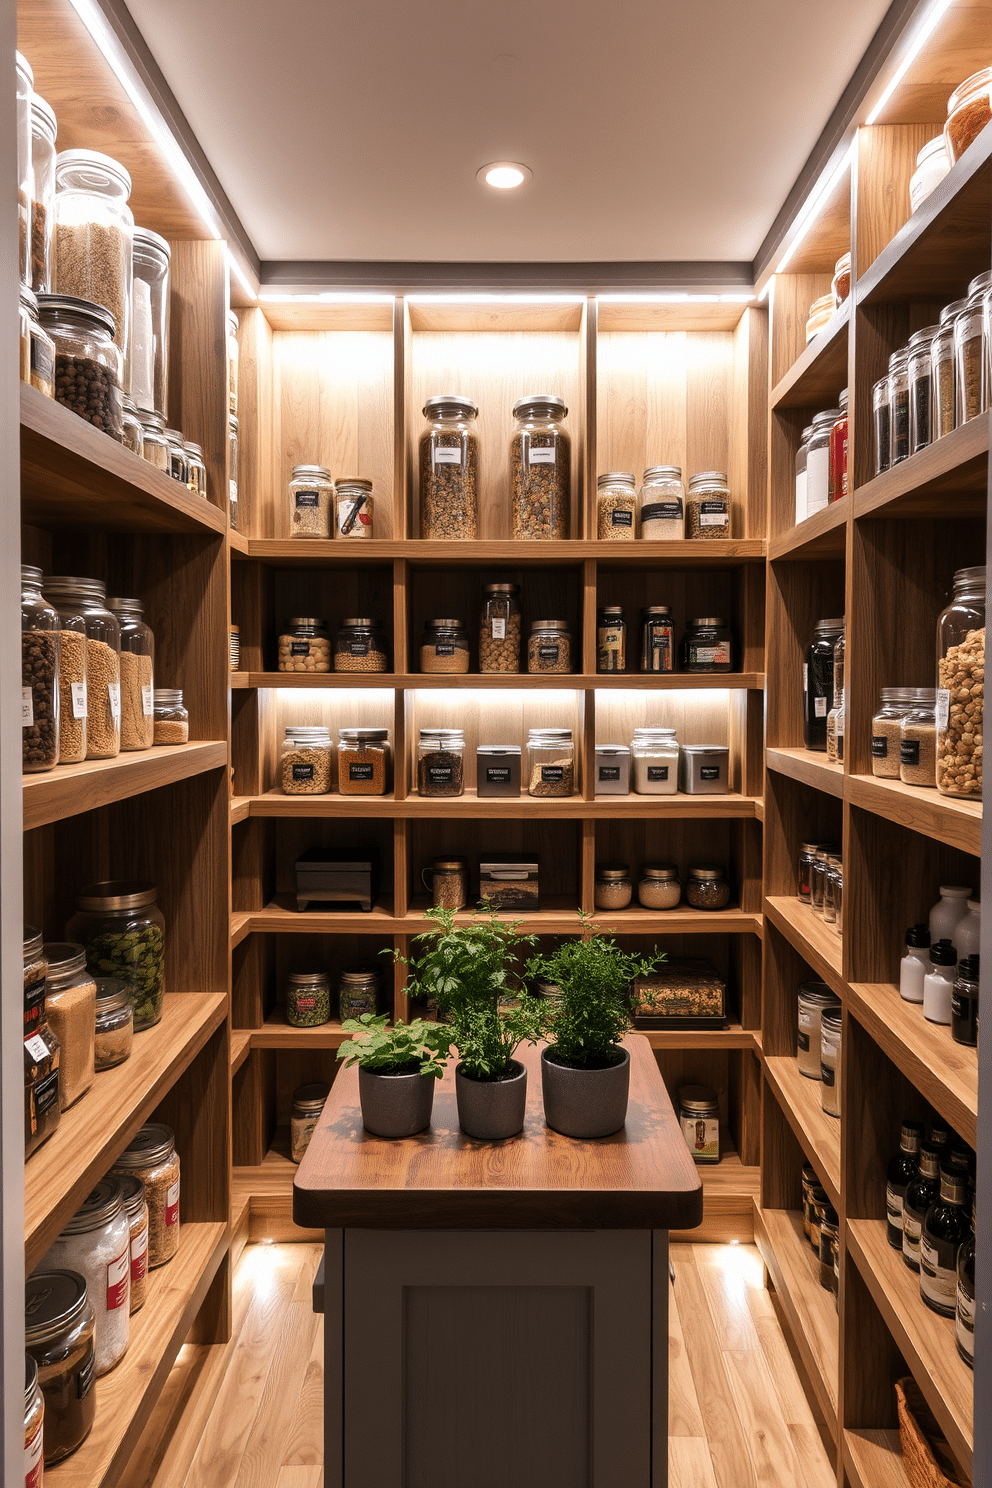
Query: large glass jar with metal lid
[(831, 1023), (818, 682), (154, 445), (34, 1425), (365, 762), (132, 434), (886, 728), (308, 1102), (540, 468), (308, 999), (72, 677), (549, 646), (88, 366), (232, 472), (70, 1007), (444, 646), (708, 512), (961, 687), (654, 762), (837, 480), (305, 645), (359, 991), (616, 506), (969, 109), (441, 762), (499, 628), (96, 1242), (814, 998), (148, 361), (311, 497), (662, 504), (706, 886), (360, 645), (918, 740), (305, 761), (37, 349), (177, 455), (114, 1037), (801, 466), (25, 91), (657, 639), (44, 132), (59, 1334), (706, 645), (123, 931), (835, 718), (196, 470), (94, 232), (612, 886), (152, 1156), (550, 762), (899, 406), (42, 1055), (818, 461), (354, 508), (137, 674), (449, 468), (233, 358), (103, 661), (920, 374), (659, 886), (39, 676), (969, 353)]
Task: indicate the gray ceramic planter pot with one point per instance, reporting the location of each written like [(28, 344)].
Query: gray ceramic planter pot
[(585, 1103), (395, 1105), (490, 1110)]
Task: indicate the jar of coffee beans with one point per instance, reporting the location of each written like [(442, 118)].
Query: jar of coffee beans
[(499, 628), (88, 364), (449, 468)]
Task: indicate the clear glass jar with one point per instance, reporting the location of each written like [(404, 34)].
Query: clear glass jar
[(612, 770), (886, 730), (550, 762), (136, 1209), (818, 874), (154, 445), (449, 469), (969, 360), (706, 887), (880, 411), (549, 646), (114, 1038), (699, 1118), (132, 434), (899, 406), (837, 478), (96, 1243), (305, 761), (919, 373), (103, 661), (123, 931), (42, 1055), (821, 313), (830, 1060), (500, 628), (969, 109), (365, 762), (829, 883), (37, 349), (802, 455), (814, 999), (657, 639), (360, 646), (918, 740), (447, 881), (932, 166), (444, 646), (88, 366), (987, 338), (59, 1334), (137, 674), (540, 469), (170, 720), (616, 506), (196, 470), (818, 461), (233, 358), (708, 513), (662, 504), (840, 286), (835, 718), (72, 678), (153, 1158), (308, 1102), (961, 687), (94, 232), (70, 1007), (25, 92), (942, 376), (659, 886), (305, 645), (148, 359), (612, 886), (706, 645), (232, 471), (311, 493), (359, 991), (177, 455), (34, 1425), (804, 873), (39, 676), (354, 508), (837, 884), (308, 999), (611, 639), (654, 760), (818, 682)]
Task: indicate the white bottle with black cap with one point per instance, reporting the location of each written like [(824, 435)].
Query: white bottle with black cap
[(938, 984), (915, 964)]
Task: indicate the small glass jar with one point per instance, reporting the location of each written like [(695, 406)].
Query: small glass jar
[(305, 645), (920, 375), (96, 1242), (662, 504), (837, 885), (447, 881), (831, 1021), (500, 628), (657, 639), (311, 495), (899, 446), (943, 376), (444, 646), (308, 1102), (70, 1008), (932, 166), (103, 661), (88, 366), (497, 770), (136, 1209), (449, 469), (804, 875), (42, 1055), (706, 887), (133, 437), (305, 761), (818, 682), (612, 887), (886, 727), (612, 770), (360, 646), (540, 469), (39, 676), (170, 720), (918, 741), (354, 508), (123, 930), (616, 506), (196, 470), (837, 476), (232, 471), (706, 645), (549, 646), (611, 639), (114, 1023), (154, 445), (659, 886), (708, 505), (840, 286), (814, 999), (137, 674), (550, 762), (654, 759), (802, 456), (969, 109), (818, 874), (34, 1425), (359, 991), (308, 999), (148, 358), (969, 360), (37, 348), (25, 92), (818, 461), (365, 762), (880, 411), (809, 1181), (94, 231), (699, 1118), (153, 1158), (177, 455), (830, 879), (961, 687), (233, 358), (820, 314), (59, 1334), (964, 1003)]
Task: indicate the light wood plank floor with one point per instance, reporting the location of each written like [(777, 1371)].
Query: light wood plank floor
[(248, 1415)]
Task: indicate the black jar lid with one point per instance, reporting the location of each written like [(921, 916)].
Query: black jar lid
[(918, 935), (53, 1301), (968, 968), (943, 953)]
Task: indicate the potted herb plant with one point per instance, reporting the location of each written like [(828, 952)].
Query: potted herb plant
[(585, 1070), (467, 970), (397, 1071)]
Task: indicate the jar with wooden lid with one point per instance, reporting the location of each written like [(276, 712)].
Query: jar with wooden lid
[(612, 888), (840, 286), (365, 762), (96, 1242), (308, 1102), (708, 506), (136, 1210), (500, 628), (699, 1118), (659, 886), (70, 1007), (961, 686), (540, 469), (94, 232), (444, 646), (549, 647), (880, 415), (449, 469), (308, 999), (616, 506), (154, 445), (123, 930), (42, 1055), (152, 1157), (969, 109), (114, 1037), (354, 508), (34, 1425), (662, 504), (814, 999), (831, 1020), (88, 365), (59, 1329), (447, 882)]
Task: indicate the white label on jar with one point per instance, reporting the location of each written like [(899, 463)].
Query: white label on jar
[(37, 1048), (943, 708), (32, 1458), (545, 455), (498, 630), (118, 1280), (447, 454), (78, 690), (820, 707), (27, 708), (893, 1207), (139, 1255), (147, 701), (712, 519), (718, 655), (232, 491), (817, 480), (114, 694), (840, 725), (702, 1136), (172, 1204)]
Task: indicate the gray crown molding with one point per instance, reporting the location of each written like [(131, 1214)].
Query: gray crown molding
[(562, 278)]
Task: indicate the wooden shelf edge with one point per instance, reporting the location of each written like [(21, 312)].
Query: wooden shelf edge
[(956, 823), (808, 767), (781, 1073), (69, 790), (506, 682), (799, 925), (778, 1243), (240, 1047), (823, 535), (238, 543), (949, 463), (240, 806), (825, 348), (319, 552), (471, 807), (873, 1459)]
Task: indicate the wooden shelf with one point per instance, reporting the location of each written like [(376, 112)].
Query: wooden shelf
[(238, 543), (734, 1037), (925, 1340), (69, 789), (810, 1308), (239, 809), (275, 803), (823, 535), (126, 1397), (948, 819), (874, 1459), (809, 767), (102, 1122), (276, 1033), (74, 476), (950, 475), (240, 1047), (817, 1133), (811, 936), (507, 682), (816, 377), (330, 552)]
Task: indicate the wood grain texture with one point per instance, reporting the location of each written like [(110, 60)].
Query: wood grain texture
[(813, 938), (817, 1133), (290, 552), (198, 357), (820, 370), (71, 789), (873, 1458), (884, 162), (811, 1308), (255, 403), (948, 475), (809, 767)]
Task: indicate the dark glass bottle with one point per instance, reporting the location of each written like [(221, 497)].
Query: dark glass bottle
[(965, 1300), (939, 1134), (818, 682), (921, 1193), (903, 1168), (944, 1229)]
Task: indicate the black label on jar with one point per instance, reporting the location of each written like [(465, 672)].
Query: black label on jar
[(826, 1074), (621, 518), (663, 511), (657, 772), (440, 774), (358, 648), (803, 1041), (360, 772), (548, 653), (84, 1379), (498, 774), (306, 499), (444, 648), (303, 772), (42, 364), (299, 648), (909, 752), (34, 996), (709, 772), (879, 746), (552, 774), (609, 772), (46, 1093), (713, 508)]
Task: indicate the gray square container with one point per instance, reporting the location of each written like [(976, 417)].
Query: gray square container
[(612, 770), (704, 769), (498, 770)]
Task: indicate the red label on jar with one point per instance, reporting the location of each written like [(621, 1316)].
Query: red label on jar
[(172, 1204), (305, 1004), (118, 1285), (33, 1465), (139, 1256)]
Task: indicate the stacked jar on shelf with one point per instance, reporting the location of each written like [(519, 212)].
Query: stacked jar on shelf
[(821, 461), (820, 881)]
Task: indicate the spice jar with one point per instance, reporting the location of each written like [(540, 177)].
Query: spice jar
[(154, 445), (616, 504), (830, 1060), (498, 770), (196, 470), (837, 469), (177, 455), (969, 109), (708, 505), (354, 508), (818, 874), (305, 645), (308, 999), (440, 762), (612, 770), (662, 504), (308, 1102), (932, 166), (659, 886), (964, 1003), (103, 660), (499, 628), (818, 682), (70, 1007), (699, 1118), (938, 983), (305, 761), (880, 412), (132, 435), (657, 639), (919, 373), (549, 647), (444, 646), (37, 347), (706, 645), (233, 359), (918, 740), (96, 1242), (654, 758), (612, 887), (449, 468), (24, 94), (42, 1107), (899, 406), (358, 992), (136, 1209), (840, 287), (94, 230), (311, 492), (137, 674), (447, 880), (833, 895), (148, 358), (152, 1157), (39, 676), (804, 876), (360, 646), (802, 457), (814, 999), (34, 1425), (820, 314), (59, 1330), (961, 687), (611, 639), (88, 367), (123, 931), (835, 718), (170, 720), (969, 358), (706, 887), (114, 1023), (365, 762), (886, 730), (550, 762), (818, 461), (540, 469)]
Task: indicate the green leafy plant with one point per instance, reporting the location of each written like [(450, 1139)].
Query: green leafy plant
[(467, 970), (585, 1027), (405, 1049)]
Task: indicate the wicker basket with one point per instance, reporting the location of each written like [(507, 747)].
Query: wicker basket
[(926, 1456)]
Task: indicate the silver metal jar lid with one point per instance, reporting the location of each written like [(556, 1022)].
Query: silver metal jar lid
[(707, 622), (699, 1099), (357, 735), (102, 1204), (561, 625), (708, 477), (112, 994), (706, 870), (656, 473), (308, 979), (118, 893), (352, 485), (56, 304), (453, 402), (499, 749), (53, 1301), (615, 477), (132, 1192), (309, 1099), (448, 624), (308, 621), (540, 402), (152, 1145), (65, 958), (301, 472)]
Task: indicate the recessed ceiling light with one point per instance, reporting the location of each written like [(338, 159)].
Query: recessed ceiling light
[(504, 175)]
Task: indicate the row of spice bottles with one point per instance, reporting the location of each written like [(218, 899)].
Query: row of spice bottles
[(662, 511), (320, 506), (939, 968), (87, 675), (93, 1279), (821, 461), (820, 881), (660, 886), (821, 1226), (313, 999), (706, 646)]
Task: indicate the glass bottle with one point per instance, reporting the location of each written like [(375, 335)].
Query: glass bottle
[(137, 674), (708, 506), (920, 1194), (964, 1003), (837, 477), (657, 639), (133, 1198), (170, 720), (841, 283), (44, 132), (662, 504), (196, 470), (232, 471), (540, 469), (804, 875), (818, 874), (964, 1325), (831, 1026), (148, 363), (499, 628), (611, 639), (899, 406), (72, 678), (103, 661), (915, 963), (25, 92), (94, 231), (945, 1229), (311, 497), (920, 376), (961, 685), (42, 1054), (96, 1243), (39, 676), (233, 356), (354, 508), (88, 365), (818, 682), (802, 455), (616, 503), (903, 1169), (967, 935), (123, 930), (880, 411), (152, 1156), (818, 461), (449, 469)]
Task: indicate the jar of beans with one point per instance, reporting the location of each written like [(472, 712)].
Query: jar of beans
[(444, 646), (707, 887), (360, 646), (708, 505), (311, 492), (365, 762), (353, 508), (616, 506), (612, 888), (88, 363), (549, 646), (961, 680), (39, 676), (449, 468), (305, 762), (499, 628), (305, 646)]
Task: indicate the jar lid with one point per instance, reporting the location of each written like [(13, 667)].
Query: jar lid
[(318, 470), (151, 1145), (125, 606), (720, 749), (118, 893), (33, 940), (308, 979), (359, 622), (373, 735), (878, 389), (148, 416), (29, 299), (53, 1301), (831, 1018), (102, 1204), (825, 302), (968, 967), (974, 575), (611, 749), (132, 1192), (827, 849), (707, 622), (825, 417), (980, 283), (232, 424), (308, 621), (655, 473), (842, 400), (64, 959), (549, 736), (174, 436), (540, 402), (698, 1098), (665, 871), (708, 477), (30, 574), (145, 238), (918, 935), (499, 749), (358, 975), (612, 870), (448, 624), (42, 113), (942, 953), (606, 611), (706, 870), (72, 584), (817, 993), (923, 337), (501, 588), (844, 262), (654, 735), (811, 846), (661, 612), (352, 485), (931, 149), (303, 733), (561, 625), (951, 312), (74, 160), (55, 305), (311, 1097), (167, 697), (451, 403), (822, 626), (111, 994), (444, 736), (896, 694), (450, 864), (925, 695), (615, 477), (898, 359)]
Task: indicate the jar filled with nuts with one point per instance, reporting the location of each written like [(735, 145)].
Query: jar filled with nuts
[(616, 505), (449, 468), (444, 646), (540, 468), (499, 628), (311, 492), (961, 687), (918, 740), (305, 646), (708, 505), (549, 647), (305, 761), (353, 508), (88, 365), (360, 646)]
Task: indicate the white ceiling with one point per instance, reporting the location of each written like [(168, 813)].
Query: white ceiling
[(656, 129)]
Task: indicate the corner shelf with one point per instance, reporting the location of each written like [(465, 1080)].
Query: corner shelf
[(809, 767), (817, 1133), (54, 795), (819, 373), (948, 819), (953, 469), (823, 535), (810, 1308), (807, 933)]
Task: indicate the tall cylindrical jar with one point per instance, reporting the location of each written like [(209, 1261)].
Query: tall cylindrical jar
[(831, 1023), (136, 1209), (837, 483), (59, 1329), (39, 675), (123, 930), (961, 687), (25, 91), (801, 468), (96, 1242), (616, 506), (44, 131), (154, 445), (88, 365), (70, 1007), (942, 373), (34, 1426), (662, 504), (449, 469), (94, 229), (880, 412), (969, 358), (818, 461), (148, 360), (540, 469), (137, 674), (708, 508), (42, 1055), (920, 375), (818, 682), (152, 1157), (233, 359), (103, 661), (899, 406)]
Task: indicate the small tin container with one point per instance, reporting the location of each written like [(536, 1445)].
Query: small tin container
[(704, 769), (498, 770), (506, 882), (612, 770)]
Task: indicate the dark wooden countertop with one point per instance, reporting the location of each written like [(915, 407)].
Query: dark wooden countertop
[(643, 1177)]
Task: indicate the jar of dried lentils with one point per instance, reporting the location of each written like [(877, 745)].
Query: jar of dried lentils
[(540, 468), (449, 468), (103, 661), (612, 888)]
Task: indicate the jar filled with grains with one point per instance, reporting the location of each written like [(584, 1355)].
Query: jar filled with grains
[(59, 1334), (305, 761), (880, 412), (177, 455), (612, 887), (96, 1242), (444, 646), (34, 1425), (360, 646), (114, 1037), (657, 639), (305, 646), (70, 1008), (898, 406), (154, 445), (611, 639), (961, 684), (969, 355), (354, 508), (441, 762), (37, 348), (232, 471), (44, 132), (886, 730), (196, 470), (831, 1022), (616, 506), (654, 758), (137, 674), (133, 435), (708, 505), (449, 468), (499, 628), (311, 494), (94, 231), (42, 1055), (147, 378), (942, 371), (359, 991), (706, 887), (920, 375), (308, 1102), (123, 931), (550, 762), (136, 1209), (365, 762), (447, 880), (88, 366), (72, 678), (918, 741), (540, 469), (308, 999), (103, 661), (170, 719), (659, 887), (40, 700), (549, 646), (662, 504), (152, 1157)]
